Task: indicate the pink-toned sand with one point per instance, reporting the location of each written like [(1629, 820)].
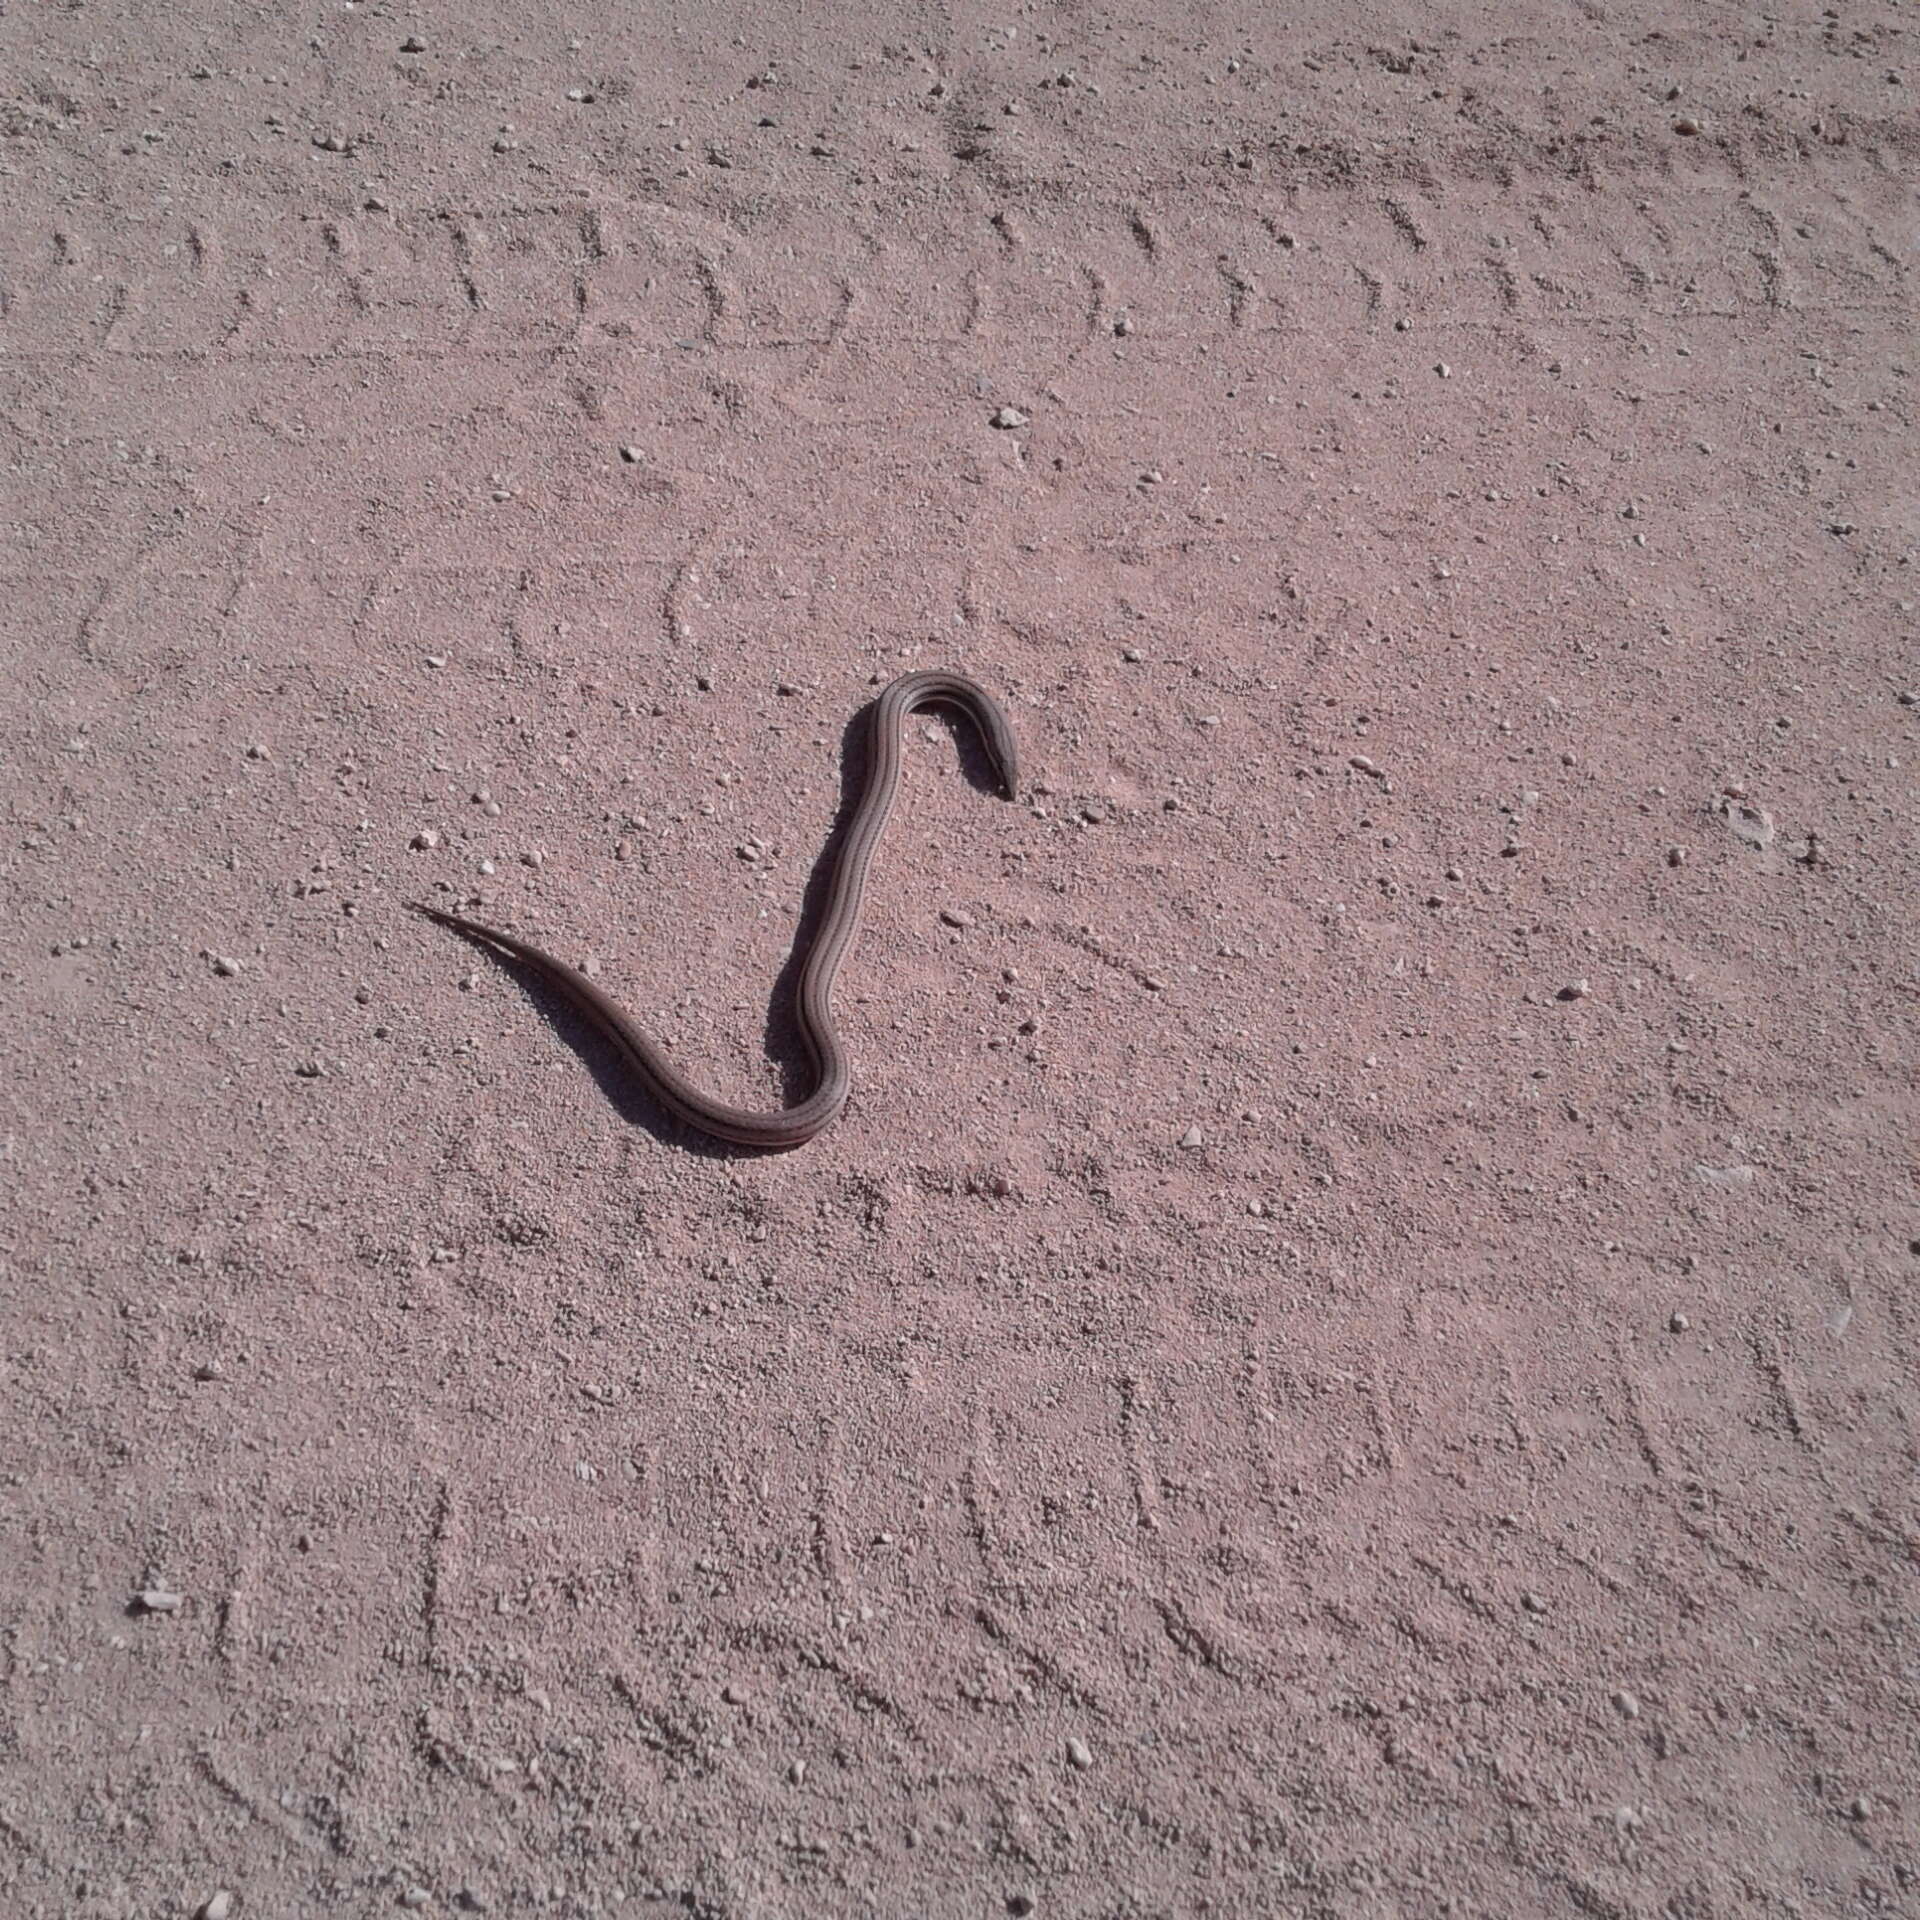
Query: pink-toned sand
[(1354, 1353)]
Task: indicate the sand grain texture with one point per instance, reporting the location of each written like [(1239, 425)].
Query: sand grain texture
[(1353, 1353)]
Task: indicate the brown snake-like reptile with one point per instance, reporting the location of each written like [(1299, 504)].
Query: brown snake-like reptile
[(792, 1126)]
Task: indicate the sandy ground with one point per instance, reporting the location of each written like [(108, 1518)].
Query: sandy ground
[(1354, 1352)]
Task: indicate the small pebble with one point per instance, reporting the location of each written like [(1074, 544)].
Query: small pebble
[(631, 455), (956, 917), (159, 1600), (1676, 856), (415, 1897), (330, 142), (733, 1695), (1443, 370), (1191, 1138), (425, 840), (1628, 1706), (1686, 126), (1079, 1753), (1122, 325), (1576, 990), (1678, 1323), (1019, 1905), (1009, 417), (217, 1906), (224, 967), (1533, 1603), (1751, 824), (1361, 764), (1861, 1809), (413, 44)]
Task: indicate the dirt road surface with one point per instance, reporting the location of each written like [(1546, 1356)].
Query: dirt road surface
[(1354, 1353)]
